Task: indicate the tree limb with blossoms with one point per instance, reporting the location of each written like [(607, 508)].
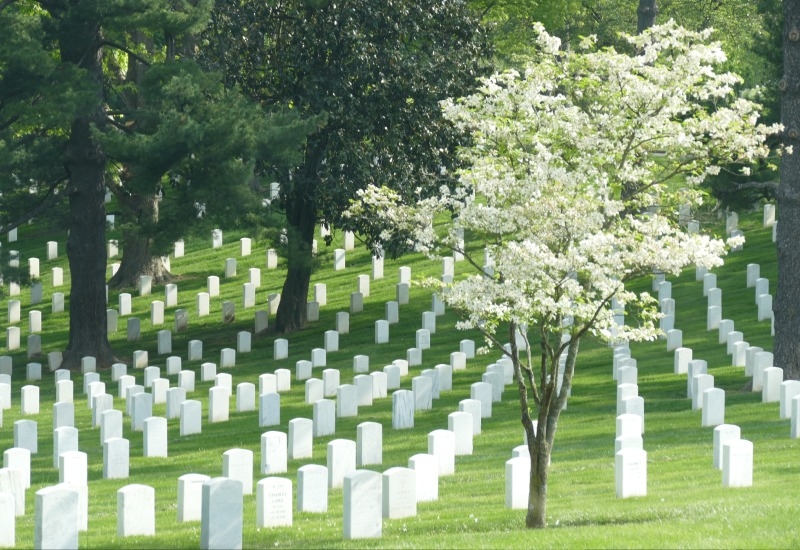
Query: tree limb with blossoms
[(577, 168)]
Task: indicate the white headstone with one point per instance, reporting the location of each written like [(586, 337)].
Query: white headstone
[(191, 417), (218, 404), (274, 502), (482, 391), (341, 460), (190, 496), (473, 407), (221, 514), (274, 453), (280, 349), (324, 416), (155, 436), (426, 468), (518, 474), (363, 505), (403, 409), (238, 464), (369, 444), (116, 458), (300, 440), (441, 444), (399, 493), (136, 511), (713, 407), (737, 463), (772, 379), (630, 473), (56, 517), (722, 434)]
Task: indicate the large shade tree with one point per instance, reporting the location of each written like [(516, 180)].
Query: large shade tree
[(50, 98), (375, 70), (578, 170), (96, 95)]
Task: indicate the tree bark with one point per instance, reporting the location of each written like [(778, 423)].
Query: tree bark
[(787, 299), (551, 402), (292, 314), (646, 13), (137, 257), (137, 260), (86, 243), (538, 447), (536, 517)]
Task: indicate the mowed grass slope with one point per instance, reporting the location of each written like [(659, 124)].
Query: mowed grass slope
[(686, 505)]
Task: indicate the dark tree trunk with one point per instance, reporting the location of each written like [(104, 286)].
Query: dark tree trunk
[(137, 260), (646, 13), (86, 243), (137, 257), (291, 315), (787, 299)]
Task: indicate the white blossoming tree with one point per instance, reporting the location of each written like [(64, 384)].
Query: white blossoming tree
[(577, 171)]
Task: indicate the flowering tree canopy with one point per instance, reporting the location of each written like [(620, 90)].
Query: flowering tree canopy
[(577, 170)]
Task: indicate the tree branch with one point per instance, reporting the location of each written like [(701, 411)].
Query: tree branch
[(763, 185), (50, 199), (140, 59), (5, 3)]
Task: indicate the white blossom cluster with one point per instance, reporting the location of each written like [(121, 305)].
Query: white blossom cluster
[(578, 165)]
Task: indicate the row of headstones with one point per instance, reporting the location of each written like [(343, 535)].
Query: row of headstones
[(34, 270), (118, 448), (756, 362), (424, 388), (349, 396), (738, 470), (218, 404), (768, 214), (763, 298), (630, 457), (157, 317), (218, 503), (281, 345), (228, 356), (731, 219), (145, 286), (461, 427), (203, 300), (740, 351), (228, 310), (139, 403)]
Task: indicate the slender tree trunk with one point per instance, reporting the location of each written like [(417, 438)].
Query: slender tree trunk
[(552, 401), (538, 449), (787, 299), (86, 243), (137, 257), (646, 12), (536, 517)]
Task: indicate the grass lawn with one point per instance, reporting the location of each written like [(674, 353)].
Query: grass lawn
[(685, 507)]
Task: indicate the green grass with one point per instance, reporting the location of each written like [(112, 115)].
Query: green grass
[(686, 505)]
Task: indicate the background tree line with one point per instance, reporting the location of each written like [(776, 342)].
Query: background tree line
[(187, 111)]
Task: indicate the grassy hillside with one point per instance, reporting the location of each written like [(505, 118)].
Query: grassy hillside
[(686, 505)]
